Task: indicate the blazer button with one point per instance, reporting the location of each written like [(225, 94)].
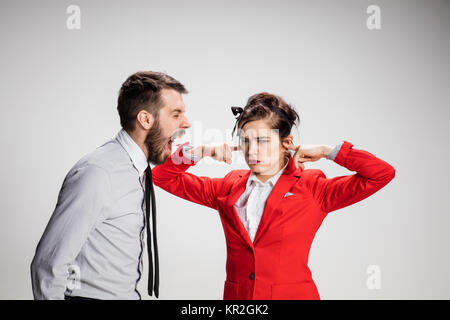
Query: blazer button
[(252, 276)]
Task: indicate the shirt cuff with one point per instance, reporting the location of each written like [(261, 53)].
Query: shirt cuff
[(332, 155)]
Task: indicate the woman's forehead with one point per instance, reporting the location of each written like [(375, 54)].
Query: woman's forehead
[(258, 132)]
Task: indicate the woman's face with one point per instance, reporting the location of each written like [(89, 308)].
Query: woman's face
[(263, 150)]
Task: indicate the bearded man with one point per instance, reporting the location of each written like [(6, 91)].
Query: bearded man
[(92, 246)]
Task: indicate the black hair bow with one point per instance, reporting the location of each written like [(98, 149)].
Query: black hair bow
[(237, 111)]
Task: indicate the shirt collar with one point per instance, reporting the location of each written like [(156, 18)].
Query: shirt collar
[(272, 181), (134, 151)]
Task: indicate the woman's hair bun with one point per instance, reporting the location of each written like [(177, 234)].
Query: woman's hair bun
[(269, 106)]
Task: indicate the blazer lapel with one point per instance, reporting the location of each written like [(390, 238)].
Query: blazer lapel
[(283, 185), (236, 191)]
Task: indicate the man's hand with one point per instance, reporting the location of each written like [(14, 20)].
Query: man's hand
[(308, 152)]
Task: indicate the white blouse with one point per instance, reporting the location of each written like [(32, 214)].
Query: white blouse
[(251, 203)]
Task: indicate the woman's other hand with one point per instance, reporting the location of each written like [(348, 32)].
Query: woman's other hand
[(308, 152)]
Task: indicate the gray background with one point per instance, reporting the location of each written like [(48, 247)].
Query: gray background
[(386, 91)]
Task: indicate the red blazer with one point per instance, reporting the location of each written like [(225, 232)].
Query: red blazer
[(275, 265)]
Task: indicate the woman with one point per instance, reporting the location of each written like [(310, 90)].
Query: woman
[(271, 212)]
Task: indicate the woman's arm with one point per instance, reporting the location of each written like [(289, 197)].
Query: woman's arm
[(372, 174), (173, 178)]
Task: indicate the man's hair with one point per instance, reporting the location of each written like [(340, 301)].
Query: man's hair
[(142, 91)]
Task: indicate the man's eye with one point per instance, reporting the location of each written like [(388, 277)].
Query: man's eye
[(176, 116)]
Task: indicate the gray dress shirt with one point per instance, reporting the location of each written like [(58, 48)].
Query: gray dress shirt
[(93, 243)]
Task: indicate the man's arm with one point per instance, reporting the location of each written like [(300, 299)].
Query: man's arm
[(81, 202)]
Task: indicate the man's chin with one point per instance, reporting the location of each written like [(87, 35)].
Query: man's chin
[(161, 159), (164, 157)]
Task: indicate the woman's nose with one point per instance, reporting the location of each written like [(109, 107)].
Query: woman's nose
[(252, 149)]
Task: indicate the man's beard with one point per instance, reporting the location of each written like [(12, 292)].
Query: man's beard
[(156, 145)]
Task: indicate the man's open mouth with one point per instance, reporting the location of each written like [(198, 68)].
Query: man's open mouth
[(176, 135), (169, 145)]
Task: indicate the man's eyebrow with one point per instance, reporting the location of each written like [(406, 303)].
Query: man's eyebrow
[(177, 110)]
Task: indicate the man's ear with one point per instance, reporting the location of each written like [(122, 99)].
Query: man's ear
[(145, 119)]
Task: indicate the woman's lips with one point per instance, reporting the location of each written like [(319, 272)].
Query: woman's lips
[(254, 161)]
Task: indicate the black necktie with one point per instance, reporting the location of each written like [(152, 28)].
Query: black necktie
[(150, 198)]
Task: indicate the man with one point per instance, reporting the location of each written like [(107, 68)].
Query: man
[(92, 246)]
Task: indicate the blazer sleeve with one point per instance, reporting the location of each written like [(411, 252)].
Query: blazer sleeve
[(371, 175), (173, 178)]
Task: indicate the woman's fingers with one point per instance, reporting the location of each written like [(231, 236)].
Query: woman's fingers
[(223, 152), (298, 154), (299, 164), (218, 152), (227, 156), (227, 153), (301, 156), (290, 146)]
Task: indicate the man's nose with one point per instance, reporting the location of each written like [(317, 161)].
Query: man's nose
[(185, 124)]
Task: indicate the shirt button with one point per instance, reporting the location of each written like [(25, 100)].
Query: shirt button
[(252, 276)]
